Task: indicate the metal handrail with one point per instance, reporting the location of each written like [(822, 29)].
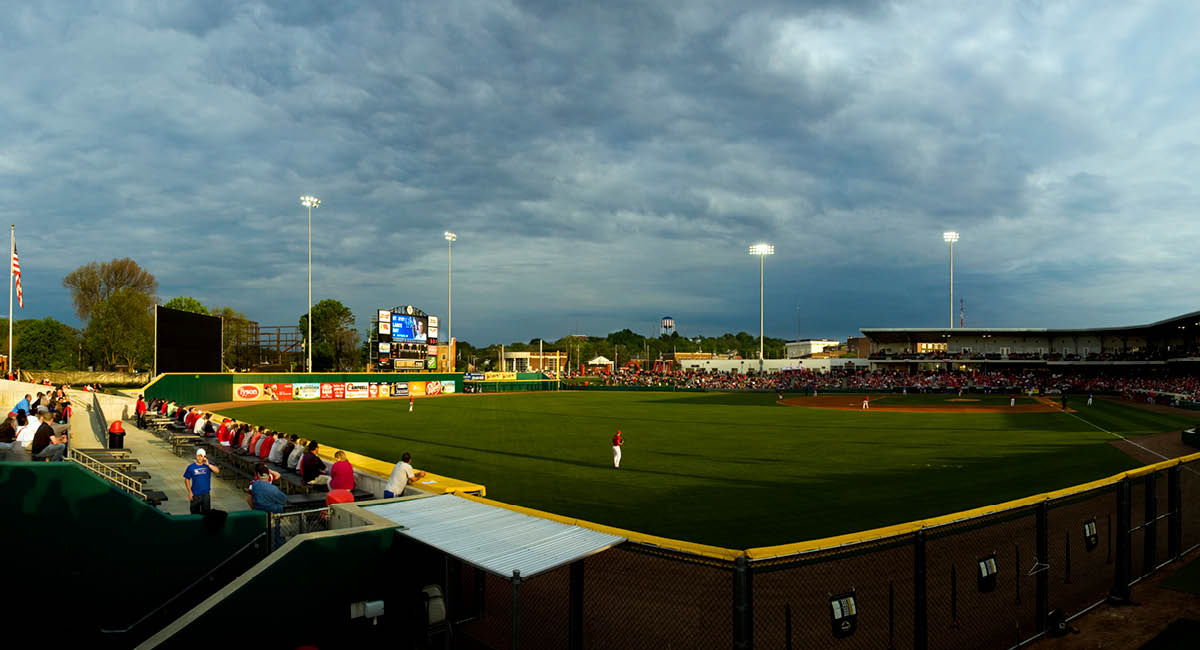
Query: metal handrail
[(254, 542), (110, 474)]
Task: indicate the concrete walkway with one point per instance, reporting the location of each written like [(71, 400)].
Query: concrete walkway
[(154, 454), (166, 473)]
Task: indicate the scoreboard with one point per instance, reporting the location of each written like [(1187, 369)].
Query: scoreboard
[(405, 338)]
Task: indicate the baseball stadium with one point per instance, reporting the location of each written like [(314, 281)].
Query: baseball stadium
[(970, 488)]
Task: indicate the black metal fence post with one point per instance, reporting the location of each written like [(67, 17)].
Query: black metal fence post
[(1042, 584), (1121, 564), (575, 615), (1175, 512), (516, 610), (1150, 548), (743, 606), (920, 594)]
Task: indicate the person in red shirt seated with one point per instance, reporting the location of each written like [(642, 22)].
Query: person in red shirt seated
[(223, 432), (268, 441), (342, 473)]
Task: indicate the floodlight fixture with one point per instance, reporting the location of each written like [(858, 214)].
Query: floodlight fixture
[(450, 239), (761, 250), (309, 201), (951, 236)]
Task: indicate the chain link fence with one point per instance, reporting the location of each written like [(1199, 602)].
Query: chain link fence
[(993, 580), (282, 527)]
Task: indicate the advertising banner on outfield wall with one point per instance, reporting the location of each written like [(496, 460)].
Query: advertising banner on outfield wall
[(334, 390), (357, 389), (400, 389), (474, 376), (447, 386), (500, 376), (249, 393), (433, 388), (281, 392), (416, 388), (306, 391), (373, 389)]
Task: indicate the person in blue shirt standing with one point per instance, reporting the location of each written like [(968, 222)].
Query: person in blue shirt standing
[(198, 479)]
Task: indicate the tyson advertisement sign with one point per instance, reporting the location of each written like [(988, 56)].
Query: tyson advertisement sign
[(357, 390), (416, 388), (248, 393), (433, 388), (306, 391)]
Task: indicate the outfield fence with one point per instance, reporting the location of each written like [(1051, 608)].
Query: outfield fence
[(994, 577)]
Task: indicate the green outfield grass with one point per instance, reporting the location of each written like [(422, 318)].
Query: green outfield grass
[(734, 470)]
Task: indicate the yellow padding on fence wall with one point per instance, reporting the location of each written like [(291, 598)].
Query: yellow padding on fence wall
[(766, 552)]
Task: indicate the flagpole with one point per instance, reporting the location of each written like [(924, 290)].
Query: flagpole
[(12, 245)]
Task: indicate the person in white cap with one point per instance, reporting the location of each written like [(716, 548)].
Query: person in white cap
[(198, 479)]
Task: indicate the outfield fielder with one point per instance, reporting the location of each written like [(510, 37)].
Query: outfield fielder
[(617, 441), (866, 401)]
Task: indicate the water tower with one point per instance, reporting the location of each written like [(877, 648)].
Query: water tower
[(668, 326)]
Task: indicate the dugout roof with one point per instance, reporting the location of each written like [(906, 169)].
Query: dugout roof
[(1189, 322), (495, 539)]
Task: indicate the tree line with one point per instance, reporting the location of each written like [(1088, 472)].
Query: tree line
[(116, 299)]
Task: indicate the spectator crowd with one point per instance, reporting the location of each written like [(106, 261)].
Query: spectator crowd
[(1132, 383)]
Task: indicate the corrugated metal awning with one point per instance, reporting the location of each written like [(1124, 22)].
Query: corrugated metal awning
[(494, 539)]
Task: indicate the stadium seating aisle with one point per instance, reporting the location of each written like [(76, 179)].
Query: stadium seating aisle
[(166, 473)]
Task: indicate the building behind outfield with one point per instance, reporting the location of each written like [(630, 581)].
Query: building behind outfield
[(1174, 342)]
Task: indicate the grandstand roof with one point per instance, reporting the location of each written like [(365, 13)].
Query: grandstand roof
[(492, 538), (901, 334)]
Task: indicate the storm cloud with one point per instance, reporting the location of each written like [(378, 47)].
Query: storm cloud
[(604, 164)]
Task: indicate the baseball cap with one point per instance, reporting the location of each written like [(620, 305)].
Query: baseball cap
[(200, 452)]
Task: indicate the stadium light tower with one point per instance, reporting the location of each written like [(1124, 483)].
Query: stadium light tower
[(450, 239), (950, 237), (761, 250), (309, 202)]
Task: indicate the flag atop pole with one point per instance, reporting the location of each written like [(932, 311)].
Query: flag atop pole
[(16, 273)]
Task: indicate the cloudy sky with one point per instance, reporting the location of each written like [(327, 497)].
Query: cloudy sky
[(605, 164)]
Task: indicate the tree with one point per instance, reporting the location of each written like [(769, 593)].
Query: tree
[(45, 345), (332, 347), (95, 282), (121, 329), (187, 303)]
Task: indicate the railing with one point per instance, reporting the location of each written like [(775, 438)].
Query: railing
[(110, 474), (218, 576)]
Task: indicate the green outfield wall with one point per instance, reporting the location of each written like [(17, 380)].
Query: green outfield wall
[(209, 388)]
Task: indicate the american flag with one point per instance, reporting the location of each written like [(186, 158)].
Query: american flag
[(16, 271)]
